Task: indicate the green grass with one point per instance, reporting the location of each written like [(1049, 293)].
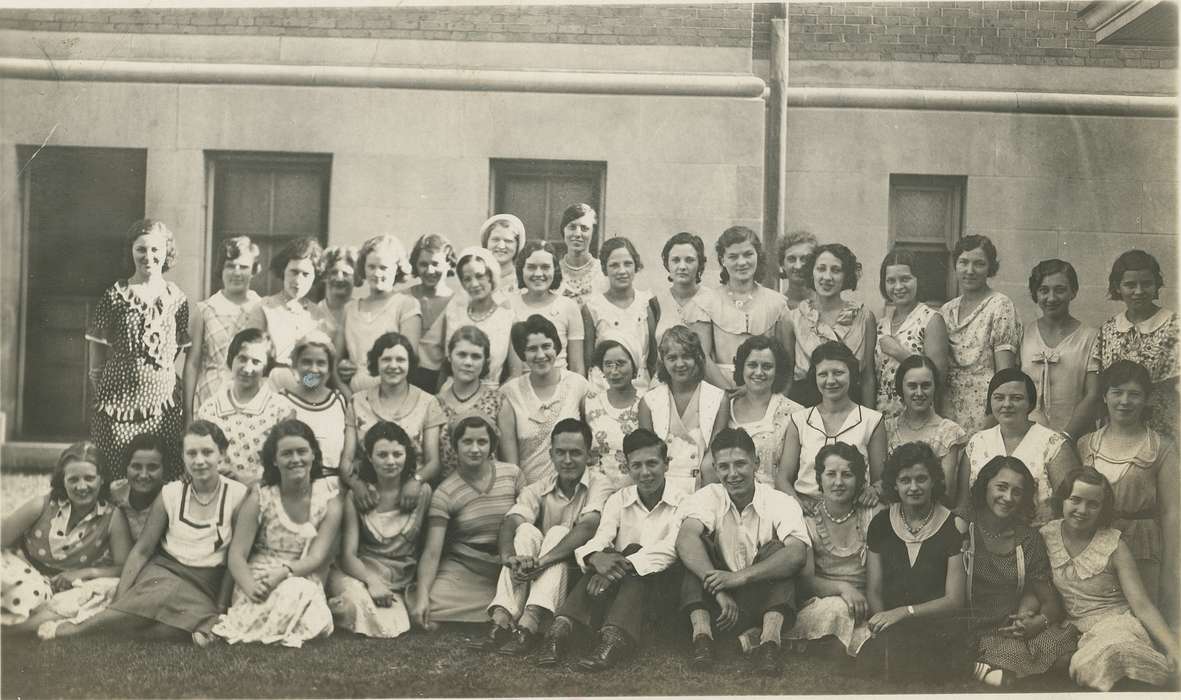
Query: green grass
[(416, 665)]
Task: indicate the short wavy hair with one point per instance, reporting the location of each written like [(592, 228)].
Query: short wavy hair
[(145, 227), (1122, 372), (784, 364), (615, 243), (1131, 261), (1087, 475), (733, 236), (1051, 267), (475, 336), (532, 247), (340, 253), (906, 456), (144, 441), (914, 362), (641, 438), (317, 340), (850, 454), (974, 242), (896, 256), (84, 451), (838, 352), (687, 339), (790, 240), (474, 421), (385, 430), (689, 239), (234, 248), (291, 427), (1004, 376), (534, 324), (247, 336), (384, 342), (979, 491), (850, 267), (385, 241), (575, 426), (304, 248), (733, 439), (433, 243), (577, 211)]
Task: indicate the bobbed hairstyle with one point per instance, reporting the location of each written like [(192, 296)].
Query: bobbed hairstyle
[(209, 429), (790, 240), (144, 442), (914, 362), (1004, 376), (906, 456), (1049, 267), (689, 239), (896, 256), (733, 439), (733, 236), (317, 339), (575, 426), (689, 342), (247, 336), (984, 243), (386, 430), (235, 247), (850, 454), (84, 451), (475, 336), (613, 244), (535, 324), (384, 342), (784, 363), (606, 345), (850, 267), (433, 243), (838, 352), (532, 247), (474, 422), (383, 243), (1087, 475), (468, 259), (641, 438), (300, 249), (292, 427), (346, 254), (577, 211), (979, 492), (1122, 372), (1131, 261), (149, 227)]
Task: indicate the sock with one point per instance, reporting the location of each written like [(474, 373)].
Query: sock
[(699, 618), (995, 678), (772, 627), (501, 617), (562, 626), (531, 619), (749, 639)]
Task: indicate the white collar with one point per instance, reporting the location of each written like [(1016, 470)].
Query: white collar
[(1149, 325), (671, 497)]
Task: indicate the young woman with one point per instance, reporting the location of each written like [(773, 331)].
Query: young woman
[(581, 275), (833, 584), (1010, 399), (615, 412), (828, 317), (1141, 466), (838, 417), (63, 551), (216, 321), (1144, 333), (340, 272), (916, 380), (140, 326), (1014, 608), (460, 561), (381, 264), (533, 404), (1100, 586), (503, 235), (683, 408), (764, 368), (379, 548), (722, 318), (175, 581), (540, 278), (478, 274), (795, 251), (683, 256), (915, 572), (465, 393), (982, 332), (622, 308), (432, 261), (318, 403), (1057, 351), (247, 407), (287, 534), (392, 360), (135, 494), (908, 327)]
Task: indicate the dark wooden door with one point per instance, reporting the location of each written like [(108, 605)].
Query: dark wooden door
[(537, 191)]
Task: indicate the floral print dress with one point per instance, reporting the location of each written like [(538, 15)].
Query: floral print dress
[(609, 425), (912, 334), (220, 320), (1152, 343), (974, 340)]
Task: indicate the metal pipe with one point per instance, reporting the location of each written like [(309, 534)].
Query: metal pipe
[(984, 101)]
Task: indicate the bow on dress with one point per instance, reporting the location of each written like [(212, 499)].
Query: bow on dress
[(1045, 358)]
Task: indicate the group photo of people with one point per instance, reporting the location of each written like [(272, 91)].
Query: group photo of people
[(408, 435)]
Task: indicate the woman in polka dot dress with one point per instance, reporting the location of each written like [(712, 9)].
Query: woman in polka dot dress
[(140, 326)]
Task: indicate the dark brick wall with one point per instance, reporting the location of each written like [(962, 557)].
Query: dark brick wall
[(1049, 33)]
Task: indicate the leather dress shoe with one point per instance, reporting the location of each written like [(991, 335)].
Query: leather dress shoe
[(614, 646), (553, 648), (702, 655), (497, 637), (521, 644)]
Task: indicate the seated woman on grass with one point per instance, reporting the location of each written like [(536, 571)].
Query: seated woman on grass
[(379, 547), (135, 494), (175, 580), (62, 552)]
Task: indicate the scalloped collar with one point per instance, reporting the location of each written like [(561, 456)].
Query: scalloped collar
[(1152, 324)]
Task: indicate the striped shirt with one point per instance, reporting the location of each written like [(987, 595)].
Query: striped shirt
[(474, 518)]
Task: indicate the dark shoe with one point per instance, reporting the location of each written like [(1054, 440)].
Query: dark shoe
[(768, 659), (614, 646), (554, 646), (702, 655), (521, 644), (497, 637)]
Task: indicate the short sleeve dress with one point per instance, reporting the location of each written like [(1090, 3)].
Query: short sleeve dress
[(609, 425), (288, 321), (856, 430), (811, 332), (942, 436), (580, 282), (418, 413), (912, 334), (768, 433), (536, 418), (484, 402), (672, 312), (733, 323), (631, 322), (1038, 448), (247, 426), (220, 322), (1059, 372), (1152, 343), (498, 326), (973, 339), (363, 327), (328, 419), (139, 390), (562, 311)]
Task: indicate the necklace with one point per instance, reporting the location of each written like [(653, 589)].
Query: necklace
[(481, 317), (577, 268), (197, 495), (469, 396), (740, 300), (990, 533), (843, 518), (913, 428), (914, 530)]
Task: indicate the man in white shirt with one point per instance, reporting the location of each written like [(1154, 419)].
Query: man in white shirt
[(626, 564), (551, 518), (743, 544)]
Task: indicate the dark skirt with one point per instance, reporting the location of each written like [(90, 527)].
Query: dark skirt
[(174, 594)]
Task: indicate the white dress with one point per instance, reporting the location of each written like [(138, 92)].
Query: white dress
[(688, 435), (856, 430), (1038, 448), (768, 433), (363, 328), (562, 311), (631, 322)]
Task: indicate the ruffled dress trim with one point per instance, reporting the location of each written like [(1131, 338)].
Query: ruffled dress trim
[(1090, 562)]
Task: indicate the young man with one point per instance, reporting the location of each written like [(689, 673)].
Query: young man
[(552, 517), (626, 564), (742, 544)]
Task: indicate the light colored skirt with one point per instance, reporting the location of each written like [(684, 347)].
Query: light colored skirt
[(460, 594), (353, 609), (25, 591), (1113, 647), (829, 617)]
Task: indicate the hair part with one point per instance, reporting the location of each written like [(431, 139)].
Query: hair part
[(689, 239), (613, 244), (832, 350), (84, 451), (535, 324), (1004, 376), (574, 426), (689, 342), (529, 249), (236, 247), (249, 336), (642, 438), (291, 427), (1087, 475), (474, 421), (733, 439), (977, 242), (979, 491), (149, 227), (433, 243), (471, 334), (896, 256), (784, 363), (300, 249), (850, 267), (386, 430), (906, 456), (1049, 267), (914, 362), (736, 235), (850, 454), (1132, 261)]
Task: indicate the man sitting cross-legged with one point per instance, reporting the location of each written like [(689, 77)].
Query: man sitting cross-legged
[(630, 564), (743, 544), (552, 517)]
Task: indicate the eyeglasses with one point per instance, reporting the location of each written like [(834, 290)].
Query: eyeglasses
[(616, 364)]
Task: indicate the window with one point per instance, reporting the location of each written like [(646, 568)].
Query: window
[(271, 197), (537, 191), (926, 218)]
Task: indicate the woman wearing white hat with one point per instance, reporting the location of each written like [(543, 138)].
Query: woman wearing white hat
[(503, 235)]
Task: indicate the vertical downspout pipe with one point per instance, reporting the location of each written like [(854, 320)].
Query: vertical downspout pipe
[(776, 161)]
